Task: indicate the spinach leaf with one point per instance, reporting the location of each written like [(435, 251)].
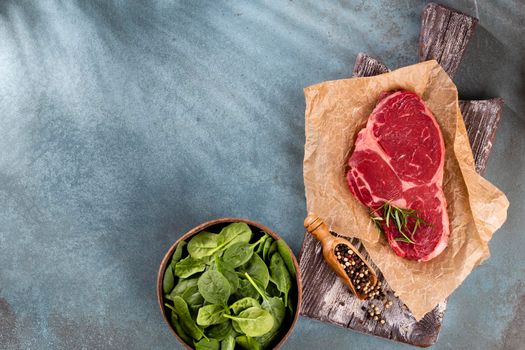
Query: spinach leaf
[(253, 321), (183, 314), (220, 331), (228, 343), (266, 248), (207, 344), (280, 275), (290, 304), (192, 297), (233, 233), (168, 282), (238, 254), (273, 249), (214, 287), (177, 255), (182, 286), (274, 306), (259, 249), (203, 244), (243, 304), (179, 330), (170, 276), (246, 290), (260, 242), (247, 343), (209, 260), (189, 266), (287, 257), (211, 314), (272, 290), (261, 292), (236, 328), (257, 269), (228, 272)]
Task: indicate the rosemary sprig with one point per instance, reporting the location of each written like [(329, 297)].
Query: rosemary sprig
[(399, 216)]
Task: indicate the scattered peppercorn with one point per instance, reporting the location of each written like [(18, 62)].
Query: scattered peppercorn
[(360, 277)]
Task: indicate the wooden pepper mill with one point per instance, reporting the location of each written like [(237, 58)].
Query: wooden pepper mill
[(329, 242)]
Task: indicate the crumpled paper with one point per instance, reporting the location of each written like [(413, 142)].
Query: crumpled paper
[(335, 112)]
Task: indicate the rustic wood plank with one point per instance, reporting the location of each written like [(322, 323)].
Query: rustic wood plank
[(444, 36), (367, 66), (481, 120), (326, 298)]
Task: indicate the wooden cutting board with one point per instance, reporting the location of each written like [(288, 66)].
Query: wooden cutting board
[(444, 36)]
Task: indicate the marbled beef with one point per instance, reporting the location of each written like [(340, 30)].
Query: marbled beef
[(399, 158)]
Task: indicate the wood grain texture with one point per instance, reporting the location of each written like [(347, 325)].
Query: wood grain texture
[(444, 36), (367, 66), (481, 120)]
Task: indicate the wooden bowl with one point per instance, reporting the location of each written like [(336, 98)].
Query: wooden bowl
[(219, 223)]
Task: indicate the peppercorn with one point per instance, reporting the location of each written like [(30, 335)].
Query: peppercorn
[(356, 269)]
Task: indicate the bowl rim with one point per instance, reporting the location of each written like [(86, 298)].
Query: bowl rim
[(201, 227)]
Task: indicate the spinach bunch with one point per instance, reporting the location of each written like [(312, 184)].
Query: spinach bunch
[(231, 290)]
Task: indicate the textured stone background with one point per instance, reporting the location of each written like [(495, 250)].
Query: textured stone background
[(125, 123)]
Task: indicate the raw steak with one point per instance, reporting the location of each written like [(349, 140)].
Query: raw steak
[(399, 158)]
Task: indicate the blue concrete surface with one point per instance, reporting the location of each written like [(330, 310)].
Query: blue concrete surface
[(125, 123)]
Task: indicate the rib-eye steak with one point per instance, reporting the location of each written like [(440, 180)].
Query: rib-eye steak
[(398, 160)]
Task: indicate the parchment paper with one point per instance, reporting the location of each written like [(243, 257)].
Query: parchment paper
[(335, 112)]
